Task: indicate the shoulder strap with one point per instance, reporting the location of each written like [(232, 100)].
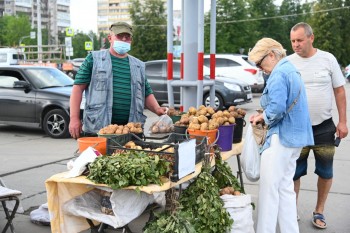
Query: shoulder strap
[(295, 101)]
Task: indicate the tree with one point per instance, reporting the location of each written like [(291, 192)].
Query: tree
[(78, 43), (326, 27), (234, 34), (149, 30), (13, 28), (295, 12)]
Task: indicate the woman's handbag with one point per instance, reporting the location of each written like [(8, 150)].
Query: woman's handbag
[(260, 129), (259, 133)]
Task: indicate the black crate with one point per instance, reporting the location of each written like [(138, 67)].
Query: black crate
[(173, 141)]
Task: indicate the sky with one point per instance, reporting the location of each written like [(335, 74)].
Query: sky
[(83, 14)]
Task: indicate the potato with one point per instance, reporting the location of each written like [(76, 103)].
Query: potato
[(192, 110), (237, 193), (155, 129), (204, 126), (231, 120), (130, 144)]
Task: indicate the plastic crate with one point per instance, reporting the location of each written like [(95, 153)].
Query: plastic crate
[(173, 141)]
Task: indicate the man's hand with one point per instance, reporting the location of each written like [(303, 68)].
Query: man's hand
[(75, 128), (161, 111), (342, 130)]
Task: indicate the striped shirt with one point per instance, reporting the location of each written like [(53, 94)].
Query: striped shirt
[(121, 86)]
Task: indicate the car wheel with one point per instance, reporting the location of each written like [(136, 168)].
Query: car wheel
[(218, 102), (56, 123)]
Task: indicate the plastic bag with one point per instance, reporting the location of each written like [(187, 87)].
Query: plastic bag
[(250, 156), (41, 215), (164, 124), (241, 211)]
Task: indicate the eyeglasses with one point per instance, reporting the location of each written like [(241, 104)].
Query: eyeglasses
[(123, 36), (258, 64)]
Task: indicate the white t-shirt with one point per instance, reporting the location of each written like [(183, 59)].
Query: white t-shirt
[(320, 73)]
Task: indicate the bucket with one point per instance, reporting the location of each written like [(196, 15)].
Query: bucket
[(237, 136), (225, 137), (180, 129), (210, 134), (176, 118), (98, 143)]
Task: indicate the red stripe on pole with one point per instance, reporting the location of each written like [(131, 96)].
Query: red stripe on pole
[(170, 66), (212, 66), (182, 66), (200, 65)]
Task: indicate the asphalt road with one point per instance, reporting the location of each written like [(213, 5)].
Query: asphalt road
[(29, 157)]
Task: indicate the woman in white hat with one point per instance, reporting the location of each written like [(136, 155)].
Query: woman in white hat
[(285, 111)]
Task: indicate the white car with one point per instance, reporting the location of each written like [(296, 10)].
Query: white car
[(237, 66)]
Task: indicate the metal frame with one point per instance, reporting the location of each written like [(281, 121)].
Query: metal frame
[(9, 217)]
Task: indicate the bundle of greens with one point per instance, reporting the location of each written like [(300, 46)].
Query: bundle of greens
[(129, 168), (224, 176), (201, 198), (178, 222)]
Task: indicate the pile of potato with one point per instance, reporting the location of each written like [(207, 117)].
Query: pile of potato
[(131, 127), (205, 118), (230, 191)]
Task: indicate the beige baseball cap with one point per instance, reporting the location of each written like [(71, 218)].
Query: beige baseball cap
[(263, 47), (121, 27)]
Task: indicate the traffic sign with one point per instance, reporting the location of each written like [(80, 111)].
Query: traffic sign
[(68, 41), (69, 51), (88, 45), (69, 32)]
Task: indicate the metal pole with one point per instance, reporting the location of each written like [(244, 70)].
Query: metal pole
[(38, 12), (212, 48), (190, 52), (200, 52), (170, 53)]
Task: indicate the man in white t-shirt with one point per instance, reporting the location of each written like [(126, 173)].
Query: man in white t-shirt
[(323, 78)]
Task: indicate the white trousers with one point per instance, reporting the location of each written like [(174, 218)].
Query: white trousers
[(277, 199)]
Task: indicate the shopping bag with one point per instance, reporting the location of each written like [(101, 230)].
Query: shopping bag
[(259, 132), (250, 157)]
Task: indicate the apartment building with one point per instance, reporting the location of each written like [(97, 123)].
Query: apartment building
[(55, 14), (111, 11)]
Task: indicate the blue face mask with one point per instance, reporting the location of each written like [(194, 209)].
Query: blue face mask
[(121, 47)]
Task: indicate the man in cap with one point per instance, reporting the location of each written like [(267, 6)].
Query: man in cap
[(116, 89)]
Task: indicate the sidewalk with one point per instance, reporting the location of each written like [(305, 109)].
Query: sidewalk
[(29, 157)]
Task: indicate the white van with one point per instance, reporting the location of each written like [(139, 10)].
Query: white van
[(11, 56)]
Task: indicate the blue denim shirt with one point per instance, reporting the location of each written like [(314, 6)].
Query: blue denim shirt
[(293, 127)]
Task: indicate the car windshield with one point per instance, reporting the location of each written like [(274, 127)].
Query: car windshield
[(48, 77)]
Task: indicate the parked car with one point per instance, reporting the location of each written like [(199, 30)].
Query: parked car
[(75, 63), (238, 66), (347, 72), (36, 96), (228, 91)]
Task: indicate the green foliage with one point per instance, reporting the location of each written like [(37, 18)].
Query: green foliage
[(224, 176), (13, 28), (202, 199), (149, 25), (178, 222), (126, 169)]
